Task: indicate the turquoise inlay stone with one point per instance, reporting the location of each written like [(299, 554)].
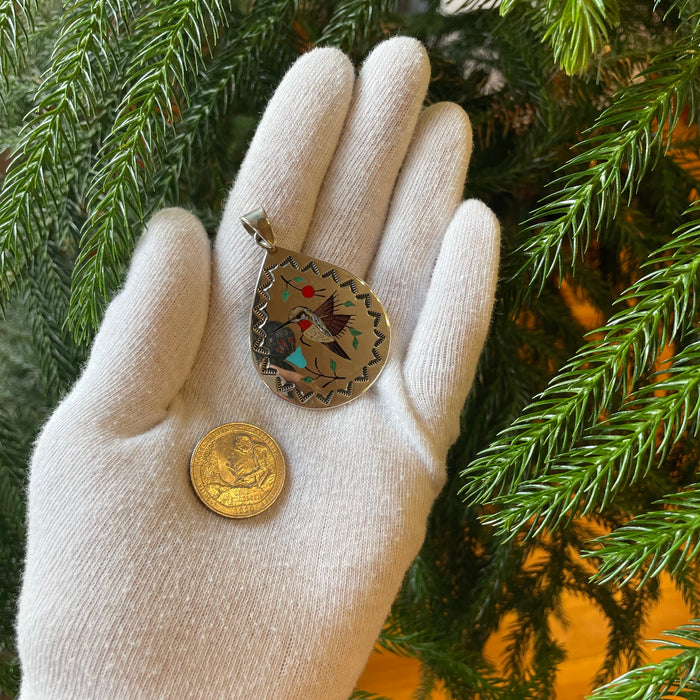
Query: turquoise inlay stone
[(297, 358)]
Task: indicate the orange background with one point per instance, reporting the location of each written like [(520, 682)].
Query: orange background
[(585, 638)]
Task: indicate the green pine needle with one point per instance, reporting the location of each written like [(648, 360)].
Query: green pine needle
[(612, 454), (631, 134), (662, 308), (215, 88), (675, 677), (576, 29), (16, 26), (157, 114), (46, 299), (167, 43), (354, 23), (652, 542), (11, 479), (479, 679), (684, 9), (426, 684), (364, 695), (40, 175)]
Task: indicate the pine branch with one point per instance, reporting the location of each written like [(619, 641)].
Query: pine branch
[(576, 29), (399, 643), (579, 30), (46, 299), (9, 673), (11, 482), (685, 9), (656, 541), (636, 129), (18, 94), (625, 646), (39, 176), (23, 408), (239, 53), (354, 23), (426, 684), (613, 454), (16, 26), (168, 43), (663, 308), (364, 695), (625, 611), (478, 679), (674, 677)]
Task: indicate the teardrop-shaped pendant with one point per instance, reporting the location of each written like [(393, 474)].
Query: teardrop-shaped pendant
[(319, 335)]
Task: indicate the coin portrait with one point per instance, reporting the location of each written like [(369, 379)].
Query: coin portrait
[(237, 470)]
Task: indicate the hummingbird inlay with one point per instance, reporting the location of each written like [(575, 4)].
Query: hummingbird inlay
[(322, 325)]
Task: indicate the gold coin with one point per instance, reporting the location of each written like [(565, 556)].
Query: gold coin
[(237, 470)]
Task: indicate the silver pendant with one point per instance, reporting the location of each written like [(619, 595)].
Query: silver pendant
[(319, 335)]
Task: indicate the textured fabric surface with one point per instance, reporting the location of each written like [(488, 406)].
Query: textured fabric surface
[(132, 588)]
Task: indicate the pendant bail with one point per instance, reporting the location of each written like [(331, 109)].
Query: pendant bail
[(259, 227)]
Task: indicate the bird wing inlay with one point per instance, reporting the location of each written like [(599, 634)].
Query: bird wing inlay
[(335, 323), (327, 307)]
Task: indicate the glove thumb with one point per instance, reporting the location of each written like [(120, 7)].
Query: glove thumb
[(151, 331)]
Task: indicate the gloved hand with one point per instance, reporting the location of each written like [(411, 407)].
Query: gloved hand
[(132, 588)]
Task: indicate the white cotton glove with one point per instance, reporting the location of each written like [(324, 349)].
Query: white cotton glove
[(132, 588)]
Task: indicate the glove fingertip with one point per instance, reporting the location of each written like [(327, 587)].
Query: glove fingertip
[(454, 322)]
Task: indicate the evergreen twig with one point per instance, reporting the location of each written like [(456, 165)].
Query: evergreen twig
[(216, 87), (613, 454), (663, 308), (655, 541), (364, 695), (426, 684), (16, 25), (354, 23), (38, 180), (11, 501), (169, 39), (46, 300), (576, 29), (674, 677), (633, 132)]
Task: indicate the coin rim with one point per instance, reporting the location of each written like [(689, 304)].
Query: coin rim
[(238, 426)]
